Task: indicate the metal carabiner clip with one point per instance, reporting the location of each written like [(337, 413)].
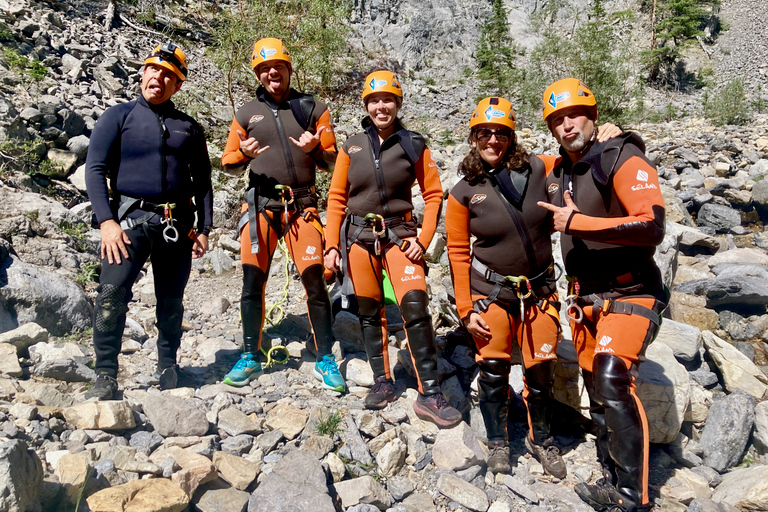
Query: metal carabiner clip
[(375, 218), (571, 305), (283, 189), (519, 281), (170, 233)]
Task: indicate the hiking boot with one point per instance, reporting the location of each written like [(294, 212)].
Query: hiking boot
[(382, 392), (436, 409), (548, 455), (498, 461), (104, 388), (603, 496), (168, 378), (245, 370), (327, 372)]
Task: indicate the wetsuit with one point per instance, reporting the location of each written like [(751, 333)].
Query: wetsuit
[(374, 178), (264, 219), (152, 155), (608, 249), (480, 271)]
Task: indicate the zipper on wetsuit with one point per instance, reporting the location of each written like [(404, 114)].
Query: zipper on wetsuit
[(286, 151), (380, 183)]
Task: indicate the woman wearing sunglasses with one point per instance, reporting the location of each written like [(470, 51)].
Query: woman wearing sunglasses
[(370, 228), (504, 281)]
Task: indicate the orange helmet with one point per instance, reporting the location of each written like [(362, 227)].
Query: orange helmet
[(493, 110), (382, 81), (269, 49), (568, 92), (171, 57)]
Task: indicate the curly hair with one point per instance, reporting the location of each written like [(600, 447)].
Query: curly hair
[(473, 167)]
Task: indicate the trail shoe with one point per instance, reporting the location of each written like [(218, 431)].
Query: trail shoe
[(549, 456), (104, 388), (436, 409), (498, 461), (603, 496), (382, 392), (168, 378), (245, 370), (327, 372)]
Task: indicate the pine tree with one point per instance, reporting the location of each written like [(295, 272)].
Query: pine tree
[(496, 54)]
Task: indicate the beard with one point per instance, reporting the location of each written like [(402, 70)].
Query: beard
[(575, 145)]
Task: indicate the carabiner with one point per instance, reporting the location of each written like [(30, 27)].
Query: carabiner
[(519, 280), (283, 189), (374, 218), (571, 305), (170, 233)]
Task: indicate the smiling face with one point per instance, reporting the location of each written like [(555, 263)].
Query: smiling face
[(275, 76), (573, 128), (492, 142), (158, 84), (382, 109)]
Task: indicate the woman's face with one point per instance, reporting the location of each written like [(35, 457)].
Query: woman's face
[(382, 109), (492, 142)]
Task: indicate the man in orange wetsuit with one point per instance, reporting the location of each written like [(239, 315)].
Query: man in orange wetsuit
[(282, 136), (606, 202)]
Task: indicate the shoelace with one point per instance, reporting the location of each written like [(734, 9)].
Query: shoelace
[(329, 365), (380, 386), (439, 400), (498, 450), (242, 363), (552, 452)]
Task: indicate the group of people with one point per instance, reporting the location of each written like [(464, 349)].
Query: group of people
[(148, 178)]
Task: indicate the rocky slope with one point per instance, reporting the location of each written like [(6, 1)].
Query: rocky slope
[(283, 443)]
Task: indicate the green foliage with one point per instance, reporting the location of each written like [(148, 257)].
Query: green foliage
[(87, 273), (21, 155), (6, 34), (314, 31), (329, 424), (729, 106), (76, 231), (26, 66), (495, 54), (758, 104), (32, 215)]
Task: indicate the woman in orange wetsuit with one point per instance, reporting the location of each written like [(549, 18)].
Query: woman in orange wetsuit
[(370, 228), (504, 281)]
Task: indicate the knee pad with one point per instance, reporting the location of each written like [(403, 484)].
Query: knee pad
[(493, 380), (368, 307), (611, 379), (540, 377), (169, 313), (254, 280), (110, 304), (313, 279), (414, 306)]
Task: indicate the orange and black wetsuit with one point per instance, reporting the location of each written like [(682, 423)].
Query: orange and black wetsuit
[(608, 248), (485, 281), (281, 201), (373, 178)]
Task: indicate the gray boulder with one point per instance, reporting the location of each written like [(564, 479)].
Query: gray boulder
[(173, 416), (727, 430), (720, 217), (297, 482), (735, 286), (21, 476)]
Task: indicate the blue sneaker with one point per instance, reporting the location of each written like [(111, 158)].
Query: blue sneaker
[(327, 372), (245, 370)]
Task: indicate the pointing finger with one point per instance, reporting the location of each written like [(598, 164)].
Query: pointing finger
[(548, 206), (241, 134)]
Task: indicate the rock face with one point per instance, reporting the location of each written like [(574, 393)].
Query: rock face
[(21, 474), (727, 431), (745, 489)]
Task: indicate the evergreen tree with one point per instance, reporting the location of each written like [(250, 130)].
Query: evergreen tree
[(496, 54)]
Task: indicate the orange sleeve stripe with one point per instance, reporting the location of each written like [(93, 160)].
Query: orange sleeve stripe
[(550, 161), (338, 194), (636, 184), (328, 137), (232, 154), (432, 192), (459, 250)]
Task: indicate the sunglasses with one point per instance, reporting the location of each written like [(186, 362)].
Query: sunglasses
[(485, 134)]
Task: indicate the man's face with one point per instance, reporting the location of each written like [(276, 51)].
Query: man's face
[(572, 127), (275, 77), (158, 84)]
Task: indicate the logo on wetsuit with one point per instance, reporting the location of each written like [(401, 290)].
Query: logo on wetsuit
[(477, 198), (553, 188), (311, 250), (546, 352), (643, 176), (410, 269), (603, 345), (255, 119), (355, 149)]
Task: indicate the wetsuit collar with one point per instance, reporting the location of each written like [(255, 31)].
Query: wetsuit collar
[(166, 106), (262, 95), (373, 134)]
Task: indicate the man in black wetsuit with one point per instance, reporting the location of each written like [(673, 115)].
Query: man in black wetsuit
[(160, 207)]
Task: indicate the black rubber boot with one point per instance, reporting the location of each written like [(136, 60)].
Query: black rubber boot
[(539, 379), (597, 413), (627, 443), (319, 309), (494, 393), (252, 307), (421, 339), (370, 323), (170, 313)]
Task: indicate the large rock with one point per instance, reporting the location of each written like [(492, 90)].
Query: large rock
[(9, 361), (457, 448), (720, 217), (666, 255), (361, 490), (65, 370), (288, 419), (738, 371), (735, 286), (463, 492), (761, 427), (222, 500), (391, 457), (235, 422), (239, 472), (297, 482), (109, 415), (195, 469), (24, 336), (744, 488), (21, 475), (155, 495), (663, 388), (694, 238), (727, 430), (173, 416), (684, 340), (743, 256), (692, 310)]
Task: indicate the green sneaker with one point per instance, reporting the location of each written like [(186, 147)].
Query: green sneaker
[(327, 372), (245, 370)]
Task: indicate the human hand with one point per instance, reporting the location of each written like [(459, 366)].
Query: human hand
[(478, 327), (332, 260), (608, 131), (249, 147), (200, 247), (113, 241), (413, 252), (561, 215), (307, 142)]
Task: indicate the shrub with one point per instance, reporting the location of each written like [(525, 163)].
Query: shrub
[(729, 105)]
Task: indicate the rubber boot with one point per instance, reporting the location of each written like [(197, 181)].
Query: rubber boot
[(597, 413), (539, 379), (319, 309), (108, 326), (170, 313), (370, 314), (252, 306), (494, 393), (627, 440)]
